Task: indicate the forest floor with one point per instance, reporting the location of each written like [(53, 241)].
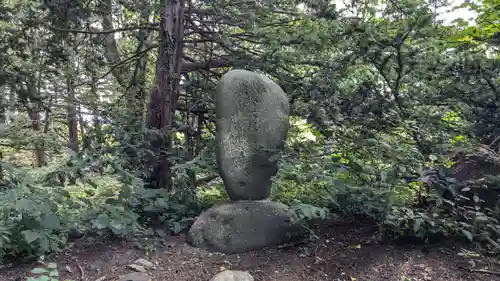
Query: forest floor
[(345, 250)]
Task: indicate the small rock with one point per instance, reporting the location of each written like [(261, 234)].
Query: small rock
[(68, 269), (134, 277), (136, 267), (94, 267), (75, 233), (145, 263), (101, 278), (169, 244), (232, 275)]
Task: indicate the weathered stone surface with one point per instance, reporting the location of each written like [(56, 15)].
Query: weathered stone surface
[(136, 276), (144, 263), (252, 124), (232, 275), (245, 225), (136, 267)]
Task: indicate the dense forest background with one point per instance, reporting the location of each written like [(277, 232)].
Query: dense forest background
[(107, 114)]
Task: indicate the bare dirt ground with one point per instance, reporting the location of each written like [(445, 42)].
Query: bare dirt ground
[(345, 250)]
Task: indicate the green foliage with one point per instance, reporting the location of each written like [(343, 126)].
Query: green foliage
[(174, 211), (307, 212), (31, 216), (382, 95), (45, 272), (35, 219)]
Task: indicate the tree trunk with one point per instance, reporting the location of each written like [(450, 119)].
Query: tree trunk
[(36, 122), (3, 118), (95, 110), (81, 121), (168, 71), (131, 79), (72, 120), (36, 125)]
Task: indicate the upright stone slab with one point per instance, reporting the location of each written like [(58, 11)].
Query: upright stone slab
[(252, 123)]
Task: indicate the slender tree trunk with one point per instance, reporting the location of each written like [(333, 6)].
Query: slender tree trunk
[(81, 121), (95, 110), (168, 73), (48, 116), (131, 79), (36, 125), (3, 118), (133, 82), (34, 113), (3, 109), (72, 116), (189, 144)]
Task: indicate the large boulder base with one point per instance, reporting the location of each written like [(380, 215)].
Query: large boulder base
[(242, 226), (252, 123)]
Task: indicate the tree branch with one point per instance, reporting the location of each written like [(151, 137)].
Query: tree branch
[(112, 52), (135, 56), (217, 63), (107, 31), (206, 180)]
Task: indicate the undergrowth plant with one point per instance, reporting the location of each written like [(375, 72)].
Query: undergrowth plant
[(36, 218), (45, 272)]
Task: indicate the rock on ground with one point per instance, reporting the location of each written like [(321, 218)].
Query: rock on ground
[(245, 225), (232, 275), (252, 123), (136, 276), (144, 263), (136, 267)]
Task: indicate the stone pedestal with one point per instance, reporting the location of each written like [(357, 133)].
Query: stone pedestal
[(242, 226)]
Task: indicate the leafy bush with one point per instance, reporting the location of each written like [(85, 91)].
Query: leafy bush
[(308, 212), (171, 211), (44, 272), (447, 215), (35, 219), (32, 217)]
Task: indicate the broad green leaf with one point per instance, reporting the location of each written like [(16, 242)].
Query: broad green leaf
[(178, 227), (101, 222), (52, 265), (416, 225), (38, 270), (467, 234), (24, 204), (30, 236), (44, 278), (51, 222)]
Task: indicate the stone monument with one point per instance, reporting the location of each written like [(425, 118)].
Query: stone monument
[(252, 123)]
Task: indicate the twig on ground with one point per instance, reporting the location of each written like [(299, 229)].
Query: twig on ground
[(82, 273), (485, 271), (495, 244)]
